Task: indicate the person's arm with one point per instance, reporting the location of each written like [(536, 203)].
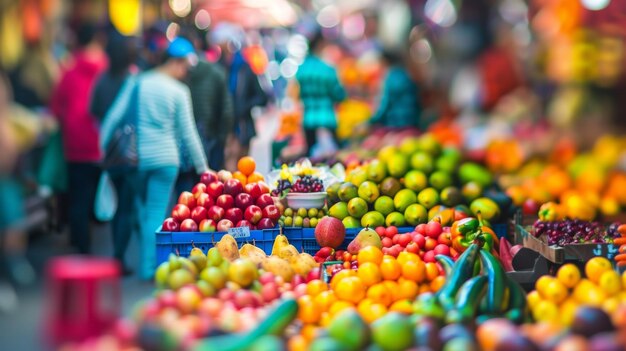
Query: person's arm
[(378, 117), (115, 114), (338, 93), (96, 107), (187, 131)]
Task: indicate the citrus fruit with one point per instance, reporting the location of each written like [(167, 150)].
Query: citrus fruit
[(588, 293), (610, 282), (567, 311), (369, 273), (414, 270), (307, 310), (546, 311), (624, 279), (255, 177), (554, 291), (350, 289), (424, 288), (394, 288), (533, 298), (611, 305), (390, 268), (431, 271), (364, 306), (370, 254), (340, 276), (595, 267), (325, 299), (437, 283), (407, 289), (569, 275), (339, 306), (374, 312), (246, 165), (315, 287), (380, 294), (240, 177), (405, 256), (402, 306), (543, 282), (298, 343)]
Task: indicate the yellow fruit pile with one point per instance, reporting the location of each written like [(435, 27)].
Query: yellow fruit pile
[(382, 283), (555, 299)]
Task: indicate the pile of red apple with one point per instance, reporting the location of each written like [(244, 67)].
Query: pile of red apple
[(426, 240), (218, 204)]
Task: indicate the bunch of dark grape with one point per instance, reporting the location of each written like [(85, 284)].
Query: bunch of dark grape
[(572, 232), (282, 185), (308, 184)]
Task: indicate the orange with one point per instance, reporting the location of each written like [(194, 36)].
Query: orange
[(339, 306), (325, 319), (533, 298), (375, 311), (390, 268), (307, 310), (370, 254), (610, 282), (595, 267), (369, 273), (314, 287), (240, 177), (340, 276), (246, 165), (402, 306), (554, 291), (256, 177), (611, 305), (569, 275), (414, 270), (405, 257), (380, 294), (588, 293), (364, 306), (543, 282), (567, 311), (431, 271), (424, 288), (624, 279), (407, 289), (297, 343), (437, 283), (325, 299), (394, 288), (546, 311), (309, 331), (350, 289)]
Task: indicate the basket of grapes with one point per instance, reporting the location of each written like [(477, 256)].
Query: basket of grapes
[(307, 192)]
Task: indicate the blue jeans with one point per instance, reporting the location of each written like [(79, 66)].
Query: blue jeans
[(125, 220), (156, 185)]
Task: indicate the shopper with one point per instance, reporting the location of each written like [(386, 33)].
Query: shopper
[(164, 116), (320, 90), (121, 53), (79, 128), (399, 105)]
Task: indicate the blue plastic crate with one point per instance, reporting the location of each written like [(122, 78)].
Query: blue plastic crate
[(501, 229), (183, 242)]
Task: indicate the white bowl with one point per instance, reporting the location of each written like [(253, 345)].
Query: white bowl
[(306, 200)]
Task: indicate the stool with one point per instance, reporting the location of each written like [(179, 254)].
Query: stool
[(84, 298)]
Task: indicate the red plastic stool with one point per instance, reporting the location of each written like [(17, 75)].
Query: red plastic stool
[(84, 298)]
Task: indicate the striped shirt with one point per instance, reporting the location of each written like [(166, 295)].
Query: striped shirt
[(164, 117)]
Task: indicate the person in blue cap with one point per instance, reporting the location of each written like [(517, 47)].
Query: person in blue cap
[(164, 116)]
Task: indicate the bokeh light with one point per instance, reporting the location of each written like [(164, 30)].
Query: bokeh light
[(172, 31), (441, 12), (288, 68), (329, 16), (421, 51), (181, 8), (202, 19), (595, 5)]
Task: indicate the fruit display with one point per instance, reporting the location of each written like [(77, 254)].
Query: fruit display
[(567, 232), (301, 217), (308, 184)]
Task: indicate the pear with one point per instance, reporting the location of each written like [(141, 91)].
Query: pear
[(199, 260), (288, 252), (173, 260), (302, 264), (227, 246), (279, 243), (366, 237), (162, 273), (188, 265), (252, 253), (279, 267), (214, 257)]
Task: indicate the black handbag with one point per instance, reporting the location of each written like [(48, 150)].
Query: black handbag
[(121, 152)]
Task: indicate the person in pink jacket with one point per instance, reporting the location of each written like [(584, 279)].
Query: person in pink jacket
[(80, 131)]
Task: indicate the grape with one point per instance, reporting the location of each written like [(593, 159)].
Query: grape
[(575, 231)]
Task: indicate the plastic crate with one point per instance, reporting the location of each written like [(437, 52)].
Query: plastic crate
[(501, 229), (183, 242)]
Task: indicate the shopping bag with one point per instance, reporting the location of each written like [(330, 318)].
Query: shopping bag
[(52, 170), (106, 199)]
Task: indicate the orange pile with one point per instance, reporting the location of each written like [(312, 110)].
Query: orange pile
[(246, 171)]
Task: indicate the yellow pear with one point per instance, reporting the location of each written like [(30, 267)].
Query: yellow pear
[(227, 247)]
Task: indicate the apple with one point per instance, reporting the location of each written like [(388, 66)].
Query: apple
[(395, 239), (421, 228), (419, 239), (188, 225), (530, 207), (234, 214), (430, 243), (459, 215), (314, 273), (233, 187), (170, 225), (208, 177), (199, 214), (433, 229), (181, 212), (198, 189), (264, 200), (167, 298), (265, 189), (391, 231), (271, 212), (380, 231), (243, 298), (386, 242), (395, 250), (265, 223), (269, 292), (267, 277), (215, 213), (442, 249), (429, 256), (224, 225), (210, 307), (224, 175), (204, 200), (412, 247), (297, 280), (404, 239), (188, 299), (253, 214), (255, 190), (243, 201), (207, 226), (243, 223), (225, 201), (226, 295), (186, 198), (445, 238), (215, 189)]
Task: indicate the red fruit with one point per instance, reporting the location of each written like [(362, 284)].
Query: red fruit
[(297, 280), (255, 190), (224, 225), (264, 200), (265, 189), (234, 215), (204, 200), (167, 298), (198, 189), (445, 238), (269, 292), (395, 239), (385, 250), (386, 242), (429, 256), (188, 225), (253, 214), (226, 295), (380, 231), (433, 229), (391, 231), (216, 213), (243, 201), (420, 240), (243, 298), (325, 252), (207, 225), (412, 248), (339, 254), (215, 189), (186, 198), (404, 239), (233, 187), (225, 201), (421, 228), (395, 250), (208, 177), (314, 273), (458, 215), (243, 223), (530, 207), (271, 212), (442, 249), (430, 244), (199, 214), (181, 212), (330, 232), (346, 257), (267, 277), (170, 225), (265, 223)]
